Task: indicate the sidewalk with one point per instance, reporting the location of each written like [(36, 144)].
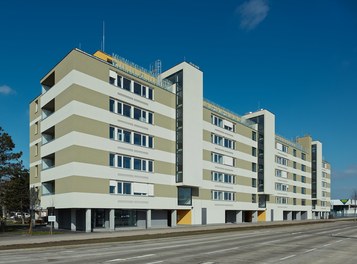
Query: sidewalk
[(16, 241)]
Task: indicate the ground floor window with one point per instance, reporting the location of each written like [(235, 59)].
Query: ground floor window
[(125, 218)]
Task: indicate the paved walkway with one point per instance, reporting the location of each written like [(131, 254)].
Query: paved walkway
[(22, 240)]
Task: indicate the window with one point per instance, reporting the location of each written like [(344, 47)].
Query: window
[(294, 152), (294, 201), (254, 198), (217, 158), (137, 89), (254, 167), (36, 171), (36, 149), (254, 152), (222, 177), (281, 200), (36, 128), (303, 202), (126, 84), (36, 106), (127, 162), (281, 160), (254, 183), (323, 194), (303, 179), (221, 159), (217, 121), (281, 173), (111, 189), (131, 111), (281, 147), (281, 187), (294, 165), (303, 167), (324, 174), (254, 135), (294, 189), (111, 160), (184, 196), (303, 156), (324, 184), (294, 177), (303, 190), (223, 196)]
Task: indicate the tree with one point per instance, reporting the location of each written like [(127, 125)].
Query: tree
[(16, 193), (10, 165), (354, 200)]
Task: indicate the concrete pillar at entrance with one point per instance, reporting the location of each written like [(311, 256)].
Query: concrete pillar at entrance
[(73, 220), (148, 218), (239, 217), (106, 219), (290, 216), (112, 219), (88, 220), (298, 215), (55, 224), (173, 218), (255, 216)]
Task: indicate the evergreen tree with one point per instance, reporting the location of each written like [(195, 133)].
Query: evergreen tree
[(10, 165)]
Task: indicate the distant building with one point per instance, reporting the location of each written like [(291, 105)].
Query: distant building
[(113, 145), (343, 207)]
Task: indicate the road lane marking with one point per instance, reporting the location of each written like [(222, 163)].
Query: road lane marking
[(296, 233), (291, 256), (160, 261), (272, 241), (136, 257), (338, 241), (302, 236), (326, 245), (219, 251), (307, 251)]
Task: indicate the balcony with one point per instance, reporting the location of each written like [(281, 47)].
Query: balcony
[(48, 135), (48, 161), (48, 109)]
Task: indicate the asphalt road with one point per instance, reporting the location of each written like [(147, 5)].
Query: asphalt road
[(317, 243)]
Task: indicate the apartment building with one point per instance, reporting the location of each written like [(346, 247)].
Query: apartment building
[(113, 145)]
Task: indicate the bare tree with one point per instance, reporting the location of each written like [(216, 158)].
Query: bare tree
[(354, 199)]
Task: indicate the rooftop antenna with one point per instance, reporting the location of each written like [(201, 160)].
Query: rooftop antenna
[(103, 41)]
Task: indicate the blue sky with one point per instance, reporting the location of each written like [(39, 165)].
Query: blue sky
[(296, 58)]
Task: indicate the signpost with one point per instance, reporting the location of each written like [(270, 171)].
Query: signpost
[(51, 219)]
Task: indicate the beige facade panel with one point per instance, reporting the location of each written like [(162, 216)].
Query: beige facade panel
[(164, 121), (207, 136), (35, 108), (35, 131), (161, 190), (243, 164), (164, 145), (164, 97), (244, 181), (35, 174), (205, 194), (244, 130), (81, 184), (244, 148), (207, 175), (82, 155), (244, 197), (82, 125), (207, 155), (35, 152), (164, 167), (207, 115), (81, 94)]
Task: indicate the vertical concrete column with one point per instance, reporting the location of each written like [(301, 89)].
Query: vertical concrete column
[(173, 218), (148, 218), (112, 219), (239, 217), (290, 216), (73, 219), (88, 220), (254, 216), (298, 215), (55, 224), (106, 219)]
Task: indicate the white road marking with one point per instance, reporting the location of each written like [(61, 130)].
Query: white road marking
[(302, 236), (160, 261), (296, 233), (136, 257), (307, 251), (338, 241), (222, 250), (272, 241), (291, 256), (326, 245)]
